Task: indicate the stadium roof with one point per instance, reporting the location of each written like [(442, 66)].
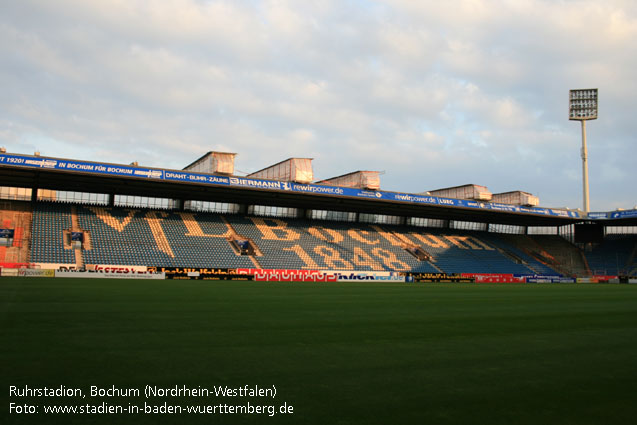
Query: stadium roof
[(278, 163), (93, 177), (204, 156)]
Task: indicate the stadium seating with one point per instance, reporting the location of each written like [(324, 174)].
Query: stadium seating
[(156, 238), (123, 236), (472, 252), (553, 250), (50, 221), (615, 256), (185, 239)]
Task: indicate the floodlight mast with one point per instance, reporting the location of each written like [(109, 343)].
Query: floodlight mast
[(586, 198), (582, 107)]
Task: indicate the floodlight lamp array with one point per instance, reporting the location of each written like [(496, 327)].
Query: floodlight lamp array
[(582, 104)]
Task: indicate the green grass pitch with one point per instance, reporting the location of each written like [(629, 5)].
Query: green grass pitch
[(354, 353)]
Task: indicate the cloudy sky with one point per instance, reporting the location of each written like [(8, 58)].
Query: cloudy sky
[(433, 93)]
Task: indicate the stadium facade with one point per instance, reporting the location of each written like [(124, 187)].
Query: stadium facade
[(67, 213)]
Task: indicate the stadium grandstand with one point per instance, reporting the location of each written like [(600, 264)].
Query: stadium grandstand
[(74, 214)]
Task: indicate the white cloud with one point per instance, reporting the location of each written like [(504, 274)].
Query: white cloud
[(434, 93)]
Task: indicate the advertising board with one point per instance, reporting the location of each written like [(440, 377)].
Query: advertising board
[(439, 277), (359, 276), (287, 275), (36, 273), (550, 280), (114, 268), (108, 274), (201, 273), (493, 277)]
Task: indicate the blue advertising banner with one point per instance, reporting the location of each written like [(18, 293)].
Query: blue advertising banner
[(89, 167), (598, 215), (623, 214), (612, 215), (189, 177), (550, 280), (186, 177)]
